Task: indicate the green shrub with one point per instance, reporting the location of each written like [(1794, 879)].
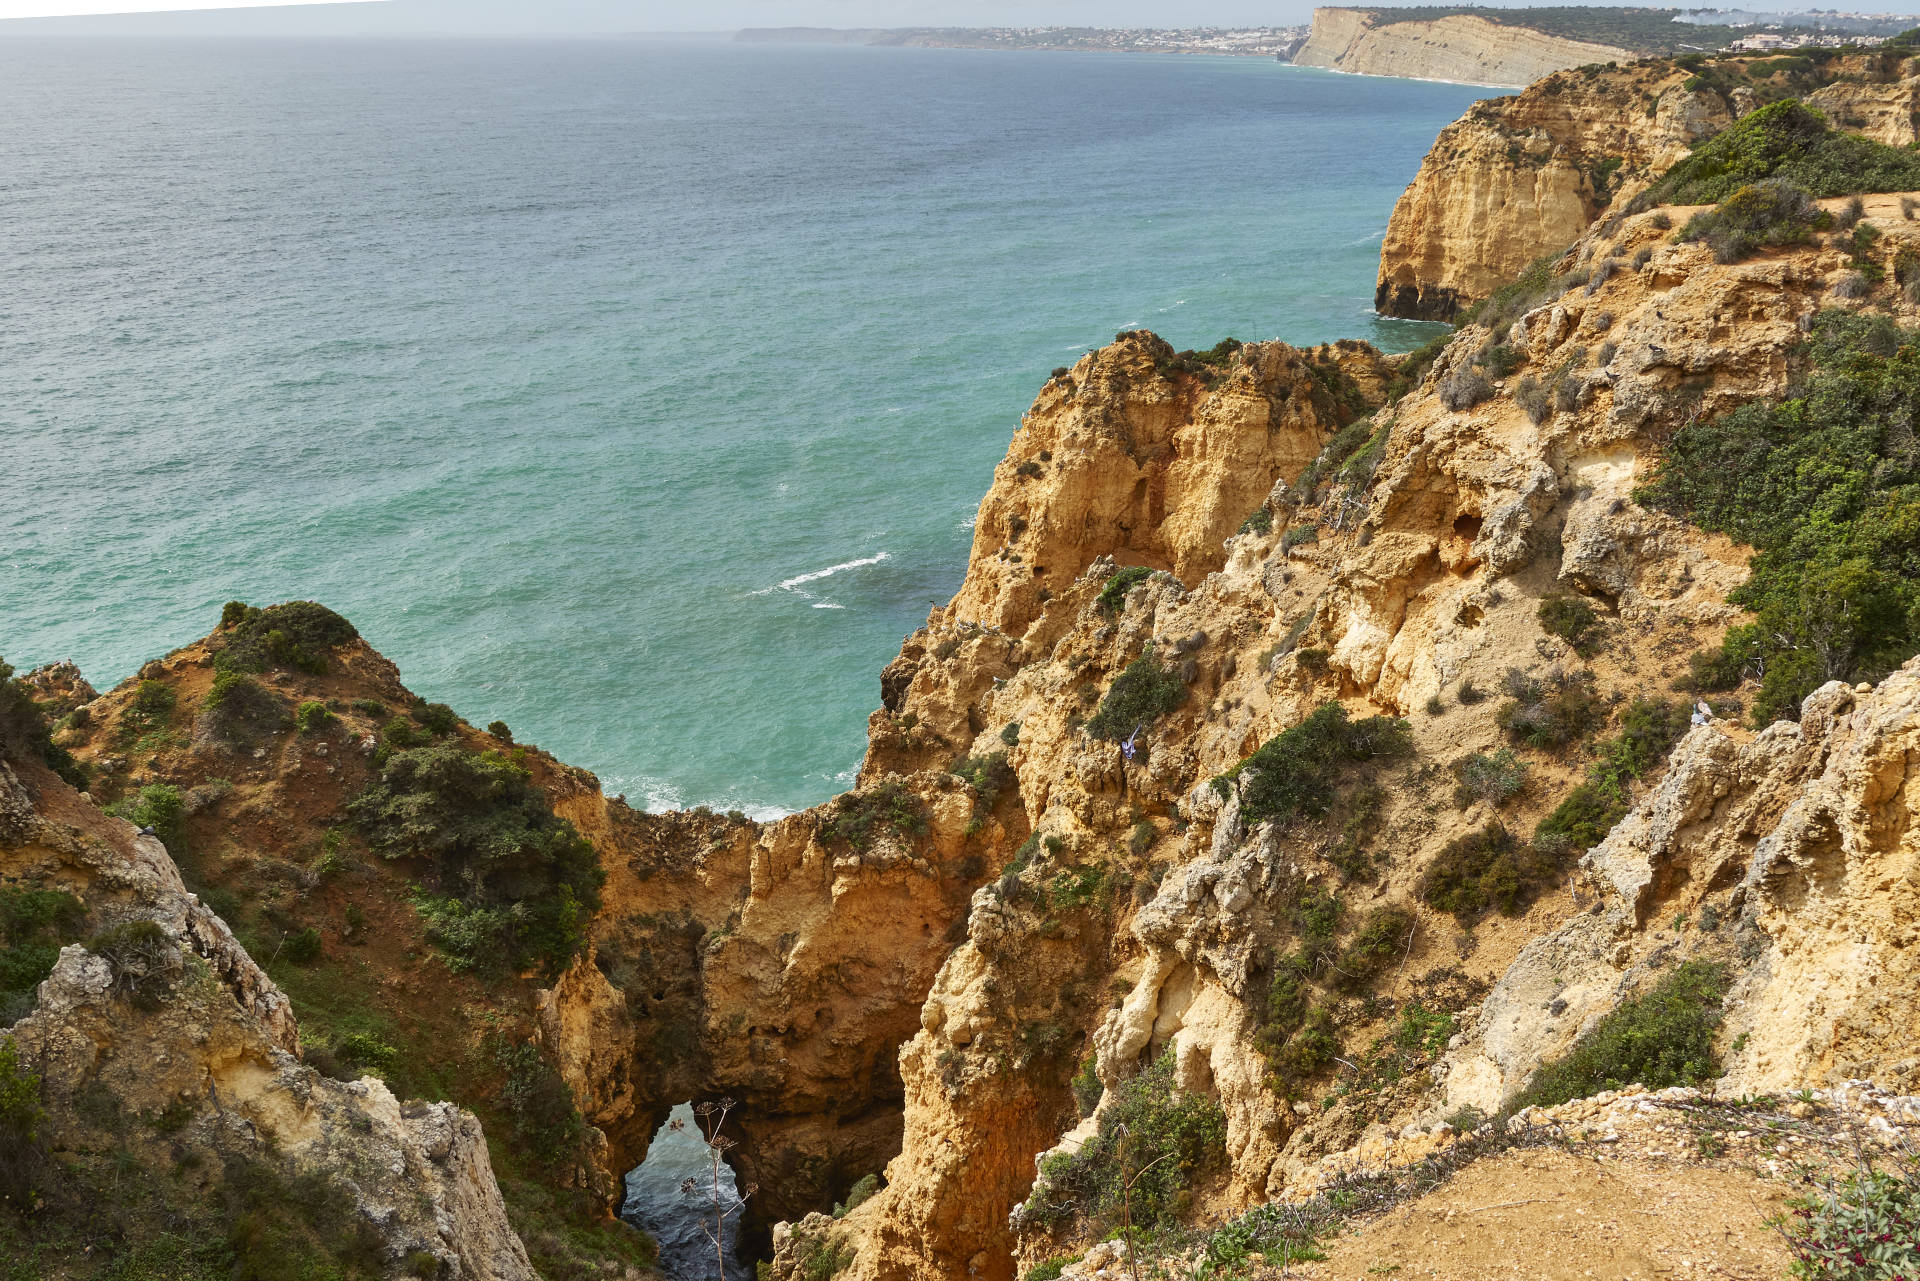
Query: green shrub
[(1648, 730), (152, 703), (1381, 939), (1086, 1086), (161, 807), (1499, 360), (1161, 1139), (22, 1145), (1147, 690), (1790, 142), (437, 719), (500, 731), (989, 775), (1490, 868), (239, 710), (1860, 1225), (857, 816), (26, 734), (1341, 446), (1114, 594), (1659, 1038), (539, 1102), (1260, 522), (302, 947), (33, 925), (1299, 536), (1762, 216), (311, 717), (1550, 714), (858, 1195), (1050, 1269), (1295, 771), (297, 636), (1572, 619), (1412, 368), (509, 884), (1497, 778), (1825, 486)]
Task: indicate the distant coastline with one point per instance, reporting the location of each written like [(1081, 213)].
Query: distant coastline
[(1233, 42)]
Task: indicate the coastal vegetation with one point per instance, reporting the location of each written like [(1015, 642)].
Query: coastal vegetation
[(1824, 484)]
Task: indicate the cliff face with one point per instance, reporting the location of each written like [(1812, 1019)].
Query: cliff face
[(1519, 177), (1423, 577), (174, 1113), (1460, 47), (1522, 176)]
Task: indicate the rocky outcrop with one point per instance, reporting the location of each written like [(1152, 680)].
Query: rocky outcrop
[(1800, 840), (1518, 177), (1465, 48), (162, 1043), (1417, 575)]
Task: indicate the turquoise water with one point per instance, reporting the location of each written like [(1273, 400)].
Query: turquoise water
[(638, 394)]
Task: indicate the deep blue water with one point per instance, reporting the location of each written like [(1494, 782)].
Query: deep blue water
[(566, 368)]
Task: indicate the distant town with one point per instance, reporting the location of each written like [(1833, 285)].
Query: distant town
[(1706, 30), (1250, 42)]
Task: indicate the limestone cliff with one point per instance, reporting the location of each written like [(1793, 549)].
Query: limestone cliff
[(1518, 177), (1418, 575), (1460, 47)]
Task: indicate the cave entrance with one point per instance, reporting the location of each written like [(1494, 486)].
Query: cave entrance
[(659, 1203)]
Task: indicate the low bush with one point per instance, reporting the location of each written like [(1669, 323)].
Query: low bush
[(1534, 398), (1086, 1086), (1496, 778), (858, 1195), (1490, 868), (1260, 522), (152, 703), (437, 719), (25, 733), (989, 774), (1862, 1224), (500, 731), (1499, 360), (1295, 771), (1147, 690), (1152, 1135), (1648, 730), (1333, 455), (1299, 536), (1114, 594), (1382, 938), (857, 818), (161, 807), (311, 717), (1465, 389), (239, 710), (33, 926), (297, 635), (1572, 619), (1762, 216), (1550, 714), (507, 882), (1659, 1038), (23, 1153)]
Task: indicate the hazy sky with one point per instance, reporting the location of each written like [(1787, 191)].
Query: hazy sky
[(505, 17)]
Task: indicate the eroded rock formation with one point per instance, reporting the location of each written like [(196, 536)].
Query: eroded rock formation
[(1460, 47)]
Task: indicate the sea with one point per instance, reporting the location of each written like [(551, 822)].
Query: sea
[(638, 392)]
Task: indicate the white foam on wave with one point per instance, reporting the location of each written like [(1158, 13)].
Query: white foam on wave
[(818, 574), (1181, 303), (797, 584), (658, 796)]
